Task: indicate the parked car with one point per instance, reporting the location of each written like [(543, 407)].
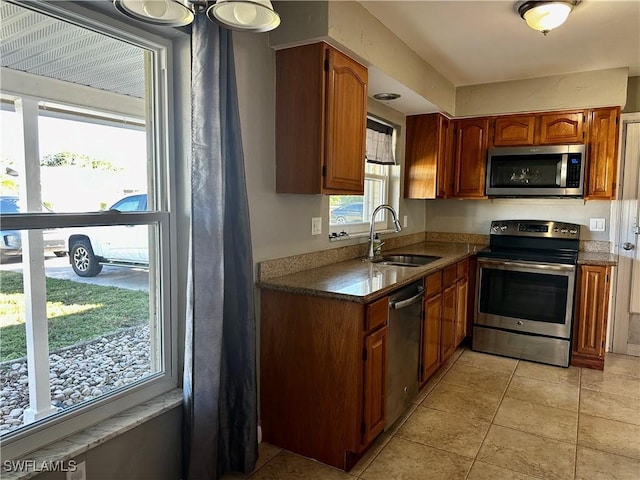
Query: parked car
[(123, 245), (349, 213), (11, 240)]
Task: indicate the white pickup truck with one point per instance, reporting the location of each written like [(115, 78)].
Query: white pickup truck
[(123, 245)]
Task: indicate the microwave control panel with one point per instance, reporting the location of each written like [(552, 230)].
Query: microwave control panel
[(573, 170)]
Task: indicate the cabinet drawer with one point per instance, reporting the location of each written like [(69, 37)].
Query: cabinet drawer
[(433, 283), (449, 275), (377, 314), (463, 268)]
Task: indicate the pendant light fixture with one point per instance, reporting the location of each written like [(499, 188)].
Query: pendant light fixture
[(168, 13), (251, 15), (245, 15), (545, 16)]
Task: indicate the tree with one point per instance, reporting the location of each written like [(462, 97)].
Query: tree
[(76, 159)]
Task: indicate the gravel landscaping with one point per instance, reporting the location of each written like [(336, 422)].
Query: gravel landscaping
[(77, 373)]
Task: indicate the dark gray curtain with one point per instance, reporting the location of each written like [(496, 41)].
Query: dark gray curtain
[(220, 427)]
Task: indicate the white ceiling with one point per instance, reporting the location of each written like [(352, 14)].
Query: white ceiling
[(472, 42)]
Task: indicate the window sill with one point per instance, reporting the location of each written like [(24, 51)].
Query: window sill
[(351, 236), (58, 453)]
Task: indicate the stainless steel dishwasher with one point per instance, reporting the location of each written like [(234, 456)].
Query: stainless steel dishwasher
[(403, 349)]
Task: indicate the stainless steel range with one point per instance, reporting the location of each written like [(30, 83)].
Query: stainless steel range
[(525, 291)]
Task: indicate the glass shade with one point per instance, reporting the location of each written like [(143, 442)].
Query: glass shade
[(545, 16), (248, 15), (169, 13)]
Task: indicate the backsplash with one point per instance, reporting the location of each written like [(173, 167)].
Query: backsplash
[(597, 246), (278, 267), (296, 263)]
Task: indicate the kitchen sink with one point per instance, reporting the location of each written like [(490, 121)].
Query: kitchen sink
[(407, 260)]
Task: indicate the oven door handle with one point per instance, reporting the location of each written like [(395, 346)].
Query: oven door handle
[(557, 267)]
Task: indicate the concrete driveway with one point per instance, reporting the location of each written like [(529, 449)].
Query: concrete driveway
[(59, 267)]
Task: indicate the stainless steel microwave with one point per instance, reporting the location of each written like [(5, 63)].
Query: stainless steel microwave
[(542, 171)]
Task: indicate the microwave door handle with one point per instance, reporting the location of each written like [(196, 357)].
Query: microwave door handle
[(562, 181)]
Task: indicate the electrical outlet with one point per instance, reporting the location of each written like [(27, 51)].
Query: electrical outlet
[(79, 473), (597, 224), (316, 225), (404, 222)]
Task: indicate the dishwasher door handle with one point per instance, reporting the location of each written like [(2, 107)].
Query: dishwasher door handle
[(409, 301)]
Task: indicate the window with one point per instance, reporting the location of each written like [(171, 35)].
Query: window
[(352, 213), (83, 173)]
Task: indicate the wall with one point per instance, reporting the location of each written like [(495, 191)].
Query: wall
[(633, 96), (151, 451), (281, 223), (475, 216), (601, 88)]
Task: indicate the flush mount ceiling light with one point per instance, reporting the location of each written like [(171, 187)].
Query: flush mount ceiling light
[(545, 16), (246, 15), (386, 96)]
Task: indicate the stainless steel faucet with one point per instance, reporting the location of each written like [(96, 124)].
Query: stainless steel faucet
[(396, 225)]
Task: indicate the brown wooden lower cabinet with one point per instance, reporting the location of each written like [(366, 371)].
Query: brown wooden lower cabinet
[(431, 318), (322, 379), (590, 317), (444, 323), (323, 365), (375, 365)]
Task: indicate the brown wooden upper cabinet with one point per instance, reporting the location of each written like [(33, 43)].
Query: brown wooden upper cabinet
[(470, 156), (428, 169), (561, 127), (514, 130), (321, 117), (548, 128), (602, 153), (597, 128)]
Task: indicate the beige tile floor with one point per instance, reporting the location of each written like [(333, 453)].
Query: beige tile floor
[(488, 417)]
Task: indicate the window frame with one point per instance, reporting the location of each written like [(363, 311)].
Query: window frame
[(67, 422)]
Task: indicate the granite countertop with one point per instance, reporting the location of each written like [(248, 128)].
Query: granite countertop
[(362, 281), (597, 258)]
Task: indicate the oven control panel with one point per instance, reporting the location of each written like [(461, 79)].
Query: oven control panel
[(535, 228)]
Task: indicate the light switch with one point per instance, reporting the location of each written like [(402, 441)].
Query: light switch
[(316, 225), (597, 224)]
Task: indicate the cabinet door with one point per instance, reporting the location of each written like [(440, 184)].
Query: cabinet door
[(462, 289), (566, 127), (431, 336), (590, 319), (602, 153), (346, 123), (421, 158), (448, 327), (514, 130), (374, 384), (470, 157)]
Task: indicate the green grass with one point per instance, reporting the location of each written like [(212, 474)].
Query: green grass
[(76, 312)]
